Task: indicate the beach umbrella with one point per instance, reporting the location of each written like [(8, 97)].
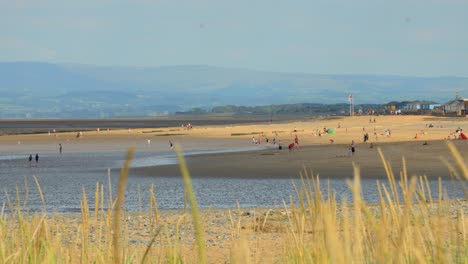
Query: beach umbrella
[(331, 131)]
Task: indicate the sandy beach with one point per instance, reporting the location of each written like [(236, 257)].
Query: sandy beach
[(326, 155), (228, 234)]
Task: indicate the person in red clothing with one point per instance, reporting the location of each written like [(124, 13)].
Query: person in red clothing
[(291, 148)]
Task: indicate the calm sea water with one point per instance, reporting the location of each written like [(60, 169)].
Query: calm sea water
[(63, 178)]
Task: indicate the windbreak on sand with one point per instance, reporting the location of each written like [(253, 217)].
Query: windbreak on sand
[(463, 136)]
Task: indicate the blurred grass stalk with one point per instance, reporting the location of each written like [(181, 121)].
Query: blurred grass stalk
[(199, 232)]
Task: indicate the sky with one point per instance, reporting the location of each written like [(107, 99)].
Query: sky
[(392, 37)]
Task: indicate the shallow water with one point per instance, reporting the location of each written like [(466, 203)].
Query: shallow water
[(63, 177)]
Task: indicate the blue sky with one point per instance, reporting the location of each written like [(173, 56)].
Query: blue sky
[(413, 37)]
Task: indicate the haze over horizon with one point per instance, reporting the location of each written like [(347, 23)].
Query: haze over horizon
[(225, 67), (403, 38)]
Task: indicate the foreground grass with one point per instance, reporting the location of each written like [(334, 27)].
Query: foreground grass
[(406, 226)]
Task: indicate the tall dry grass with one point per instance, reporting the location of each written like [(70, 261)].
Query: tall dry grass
[(406, 226)]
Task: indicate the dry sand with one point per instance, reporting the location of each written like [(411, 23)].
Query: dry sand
[(260, 233), (316, 153)]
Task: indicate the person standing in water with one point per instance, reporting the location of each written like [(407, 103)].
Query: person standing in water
[(30, 160), (60, 148), (37, 159)]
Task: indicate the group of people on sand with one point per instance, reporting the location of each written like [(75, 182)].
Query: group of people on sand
[(53, 131), (187, 126), (260, 139), (457, 134), (351, 148)]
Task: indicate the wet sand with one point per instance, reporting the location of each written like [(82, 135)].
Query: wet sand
[(31, 126), (328, 161)]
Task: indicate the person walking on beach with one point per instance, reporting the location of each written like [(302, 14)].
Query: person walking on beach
[(296, 141), (37, 158)]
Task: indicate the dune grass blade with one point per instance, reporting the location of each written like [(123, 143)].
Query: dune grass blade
[(119, 202), (193, 205), (109, 182), (148, 248), (458, 157), (26, 192), (10, 205), (390, 176), (40, 193)]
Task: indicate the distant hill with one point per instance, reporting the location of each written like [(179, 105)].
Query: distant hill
[(305, 109), (37, 89)]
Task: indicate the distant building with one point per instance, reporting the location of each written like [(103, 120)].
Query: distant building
[(458, 106), (413, 106), (429, 105)]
